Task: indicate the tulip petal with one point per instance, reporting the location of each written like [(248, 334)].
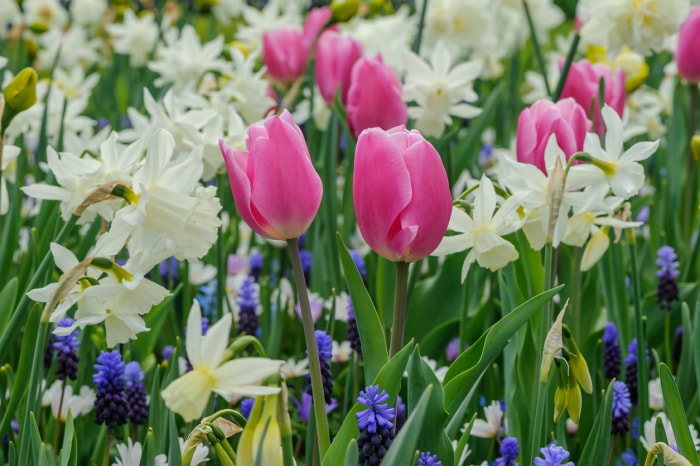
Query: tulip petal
[(381, 190), (237, 167), (431, 205), (286, 190)]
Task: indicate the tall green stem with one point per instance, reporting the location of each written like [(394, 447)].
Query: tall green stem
[(689, 199), (400, 297), (541, 391), (642, 369), (314, 361), (536, 46)]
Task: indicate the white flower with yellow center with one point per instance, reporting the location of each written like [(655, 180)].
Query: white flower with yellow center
[(490, 427), (9, 162), (136, 36), (642, 25), (189, 394), (482, 233), (612, 167), (439, 89)]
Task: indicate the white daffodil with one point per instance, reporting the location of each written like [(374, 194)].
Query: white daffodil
[(119, 298), (293, 369), (642, 25), (490, 427), (439, 89), (130, 455), (136, 36), (9, 159), (341, 352), (532, 187), (648, 439), (612, 167), (78, 404), (167, 200), (188, 395), (183, 60), (483, 232)]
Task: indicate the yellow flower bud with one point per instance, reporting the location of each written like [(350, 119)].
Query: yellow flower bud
[(20, 94), (695, 147), (261, 435), (344, 10), (635, 68), (574, 401)]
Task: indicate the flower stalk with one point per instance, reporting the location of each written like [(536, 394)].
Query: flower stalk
[(400, 299), (314, 362)]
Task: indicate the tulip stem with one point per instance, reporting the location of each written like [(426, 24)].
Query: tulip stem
[(400, 298), (314, 361)]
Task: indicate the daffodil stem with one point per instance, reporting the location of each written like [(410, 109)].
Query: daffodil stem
[(536, 46), (400, 298), (314, 361), (642, 370), (690, 191), (667, 338), (567, 66), (541, 392)]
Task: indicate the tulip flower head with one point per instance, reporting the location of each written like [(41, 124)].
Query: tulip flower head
[(374, 97), (401, 193), (275, 187), (566, 119), (688, 43)]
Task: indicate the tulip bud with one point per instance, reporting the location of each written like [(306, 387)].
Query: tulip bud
[(374, 97), (335, 57), (344, 10), (284, 54), (401, 193), (19, 94), (695, 147), (688, 45), (582, 84)]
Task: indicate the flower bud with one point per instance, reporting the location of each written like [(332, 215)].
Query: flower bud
[(19, 95), (695, 147), (344, 10)]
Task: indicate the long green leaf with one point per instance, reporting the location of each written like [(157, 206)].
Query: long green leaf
[(434, 439), (8, 296), (388, 379), (404, 446), (352, 456), (676, 414), (24, 367), (68, 455), (368, 323), (598, 444), (471, 364)]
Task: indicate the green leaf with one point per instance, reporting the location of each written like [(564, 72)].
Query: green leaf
[(686, 378), (352, 456), (24, 367), (388, 379), (69, 454), (470, 365), (8, 296), (368, 323), (676, 414), (420, 377), (35, 440), (598, 444), (405, 444)]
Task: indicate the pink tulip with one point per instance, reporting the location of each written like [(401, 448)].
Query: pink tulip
[(315, 21), (335, 57), (401, 193), (275, 187), (687, 56), (537, 123), (582, 85), (374, 97), (284, 54)]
